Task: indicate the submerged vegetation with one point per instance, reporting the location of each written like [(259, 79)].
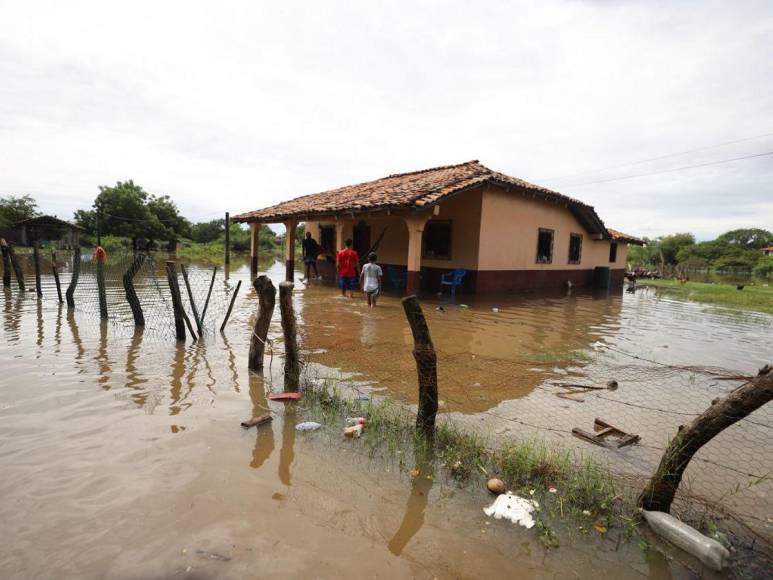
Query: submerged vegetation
[(565, 483), (756, 297)]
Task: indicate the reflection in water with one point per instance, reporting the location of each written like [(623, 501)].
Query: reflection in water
[(287, 452), (264, 437), (58, 329), (177, 372), (39, 310), (76, 337), (413, 520), (134, 379), (232, 363), (103, 361)]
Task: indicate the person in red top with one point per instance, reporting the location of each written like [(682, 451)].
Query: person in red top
[(347, 261)]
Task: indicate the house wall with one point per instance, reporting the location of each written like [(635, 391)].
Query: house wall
[(494, 237), (510, 226)]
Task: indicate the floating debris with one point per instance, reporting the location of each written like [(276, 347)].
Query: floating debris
[(511, 507)]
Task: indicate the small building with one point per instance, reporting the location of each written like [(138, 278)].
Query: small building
[(44, 229), (767, 251), (508, 234)]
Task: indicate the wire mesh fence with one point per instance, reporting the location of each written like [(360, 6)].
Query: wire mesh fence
[(205, 286), (557, 399)]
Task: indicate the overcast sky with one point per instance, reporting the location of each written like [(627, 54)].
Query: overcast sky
[(238, 105)]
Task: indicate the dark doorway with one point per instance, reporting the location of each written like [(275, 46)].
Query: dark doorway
[(361, 239)]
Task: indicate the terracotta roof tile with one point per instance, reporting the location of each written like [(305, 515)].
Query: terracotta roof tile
[(415, 190), (621, 237)]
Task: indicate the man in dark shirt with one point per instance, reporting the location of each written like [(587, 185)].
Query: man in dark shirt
[(310, 253)]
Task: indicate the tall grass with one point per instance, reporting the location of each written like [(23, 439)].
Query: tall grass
[(756, 296), (564, 481)]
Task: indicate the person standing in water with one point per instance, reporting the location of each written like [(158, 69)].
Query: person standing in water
[(370, 277), (346, 264), (310, 253)]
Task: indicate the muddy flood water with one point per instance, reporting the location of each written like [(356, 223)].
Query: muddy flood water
[(122, 456)]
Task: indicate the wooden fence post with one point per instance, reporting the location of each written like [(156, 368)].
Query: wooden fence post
[(426, 366), (36, 261), (76, 272), (100, 256), (659, 493), (177, 303), (267, 300), (6, 263), (190, 298), (131, 293), (209, 293), (290, 333), (55, 269), (16, 268), (227, 245), (230, 306)]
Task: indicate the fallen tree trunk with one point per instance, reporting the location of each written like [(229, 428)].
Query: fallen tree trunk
[(267, 300), (724, 412)]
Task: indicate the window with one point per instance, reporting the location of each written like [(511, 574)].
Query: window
[(613, 252), (545, 246), (437, 240), (327, 238), (575, 248)]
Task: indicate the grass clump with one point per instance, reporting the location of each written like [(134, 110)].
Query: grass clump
[(564, 482), (755, 296)]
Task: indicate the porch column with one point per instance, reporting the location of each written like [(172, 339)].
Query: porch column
[(254, 230), (290, 249), (415, 225)]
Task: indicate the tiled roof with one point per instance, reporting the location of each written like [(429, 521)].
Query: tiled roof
[(413, 190), (621, 237)]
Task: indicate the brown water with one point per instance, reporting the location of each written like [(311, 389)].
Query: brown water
[(121, 454)]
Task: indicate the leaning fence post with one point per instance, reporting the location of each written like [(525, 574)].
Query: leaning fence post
[(190, 298), (76, 272), (659, 493), (209, 293), (230, 306), (56, 276), (131, 293), (16, 267), (100, 256), (289, 331), (426, 366), (6, 263), (36, 261), (267, 300), (177, 303)]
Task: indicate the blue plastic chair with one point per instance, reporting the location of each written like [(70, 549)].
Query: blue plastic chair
[(452, 279)]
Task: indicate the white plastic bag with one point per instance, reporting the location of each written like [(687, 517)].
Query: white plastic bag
[(517, 509)]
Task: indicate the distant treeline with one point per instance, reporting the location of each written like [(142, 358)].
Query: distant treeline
[(126, 212), (737, 250)]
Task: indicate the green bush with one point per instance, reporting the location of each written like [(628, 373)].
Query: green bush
[(764, 267)]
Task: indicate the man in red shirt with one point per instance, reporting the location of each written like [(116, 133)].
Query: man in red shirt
[(347, 261)]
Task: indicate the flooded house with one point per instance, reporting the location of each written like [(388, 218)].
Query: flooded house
[(506, 234)]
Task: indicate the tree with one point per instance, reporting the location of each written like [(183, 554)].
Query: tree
[(764, 267), (126, 209), (671, 245), (14, 209), (205, 232), (165, 210), (749, 238)]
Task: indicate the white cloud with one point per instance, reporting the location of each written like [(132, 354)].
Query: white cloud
[(238, 105)]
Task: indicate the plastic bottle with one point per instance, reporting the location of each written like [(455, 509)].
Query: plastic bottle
[(708, 551), (355, 421)]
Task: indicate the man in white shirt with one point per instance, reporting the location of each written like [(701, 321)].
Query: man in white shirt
[(370, 279)]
